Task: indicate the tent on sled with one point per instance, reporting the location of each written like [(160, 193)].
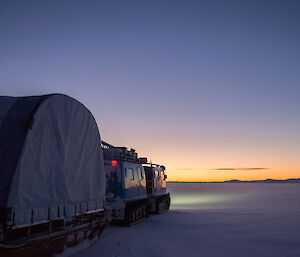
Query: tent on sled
[(51, 163)]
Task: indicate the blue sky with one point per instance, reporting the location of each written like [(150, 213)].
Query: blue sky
[(193, 84)]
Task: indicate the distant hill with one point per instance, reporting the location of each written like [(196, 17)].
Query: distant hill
[(290, 180)]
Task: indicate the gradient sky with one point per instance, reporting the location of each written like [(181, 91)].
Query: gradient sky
[(210, 89)]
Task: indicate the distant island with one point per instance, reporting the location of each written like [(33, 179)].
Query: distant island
[(290, 180)]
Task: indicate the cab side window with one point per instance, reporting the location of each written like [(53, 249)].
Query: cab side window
[(129, 173), (140, 172), (157, 175)]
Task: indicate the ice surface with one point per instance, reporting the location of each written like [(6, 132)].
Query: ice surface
[(212, 220)]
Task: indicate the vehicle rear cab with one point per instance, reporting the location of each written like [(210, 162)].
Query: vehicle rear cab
[(126, 193)]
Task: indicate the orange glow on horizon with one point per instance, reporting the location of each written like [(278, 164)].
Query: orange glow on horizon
[(192, 159), (209, 175)]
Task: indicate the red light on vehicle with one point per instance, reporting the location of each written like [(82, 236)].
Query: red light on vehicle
[(114, 163)]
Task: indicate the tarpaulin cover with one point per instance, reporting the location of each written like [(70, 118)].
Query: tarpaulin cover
[(51, 162)]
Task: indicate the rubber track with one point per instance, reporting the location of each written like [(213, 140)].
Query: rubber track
[(163, 204), (135, 211)]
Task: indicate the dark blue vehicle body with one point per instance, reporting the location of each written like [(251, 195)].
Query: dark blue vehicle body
[(126, 192)]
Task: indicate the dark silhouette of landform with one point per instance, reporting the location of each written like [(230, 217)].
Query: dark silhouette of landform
[(290, 180)]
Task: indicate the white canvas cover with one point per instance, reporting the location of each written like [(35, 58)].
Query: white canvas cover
[(58, 171)]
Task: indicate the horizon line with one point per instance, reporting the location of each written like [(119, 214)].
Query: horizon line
[(234, 180)]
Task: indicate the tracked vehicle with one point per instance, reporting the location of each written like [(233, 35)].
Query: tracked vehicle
[(52, 186), (58, 185), (126, 193)]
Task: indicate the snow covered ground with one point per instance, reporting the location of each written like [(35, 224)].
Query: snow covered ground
[(212, 220)]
